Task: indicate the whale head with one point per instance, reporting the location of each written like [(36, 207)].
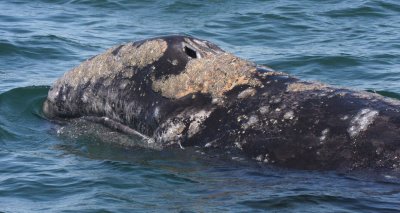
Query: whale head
[(127, 80)]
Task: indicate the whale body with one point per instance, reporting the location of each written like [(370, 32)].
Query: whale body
[(180, 91)]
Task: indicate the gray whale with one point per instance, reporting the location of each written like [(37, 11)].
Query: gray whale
[(180, 91)]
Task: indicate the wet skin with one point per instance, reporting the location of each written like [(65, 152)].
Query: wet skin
[(179, 91)]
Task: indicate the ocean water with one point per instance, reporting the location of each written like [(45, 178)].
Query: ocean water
[(344, 43)]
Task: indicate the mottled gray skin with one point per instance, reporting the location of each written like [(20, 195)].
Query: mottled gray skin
[(195, 94)]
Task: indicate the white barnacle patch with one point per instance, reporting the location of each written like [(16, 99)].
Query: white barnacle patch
[(207, 145), (288, 115), (345, 117), (60, 131), (84, 98), (197, 121), (123, 84), (247, 93), (174, 62), (252, 121), (263, 158), (275, 100), (218, 101), (108, 108), (238, 145), (156, 113), (54, 92), (273, 121), (172, 132), (264, 109), (324, 135), (361, 121)]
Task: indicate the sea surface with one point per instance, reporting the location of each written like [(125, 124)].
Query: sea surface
[(353, 44)]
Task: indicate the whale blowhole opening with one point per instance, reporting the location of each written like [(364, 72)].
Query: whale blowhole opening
[(190, 52)]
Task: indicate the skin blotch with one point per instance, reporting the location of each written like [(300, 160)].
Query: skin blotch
[(362, 121), (114, 61), (173, 130), (215, 75), (301, 87), (247, 93), (272, 73)]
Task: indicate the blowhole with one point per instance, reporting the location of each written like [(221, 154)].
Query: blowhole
[(190, 52)]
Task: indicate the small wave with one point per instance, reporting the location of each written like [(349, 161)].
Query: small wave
[(98, 3), (10, 18), (335, 61), (386, 93), (319, 203), (34, 189), (22, 99), (35, 48), (5, 135), (275, 17), (170, 178), (362, 11), (293, 201), (19, 111), (6, 48), (391, 6), (183, 6)]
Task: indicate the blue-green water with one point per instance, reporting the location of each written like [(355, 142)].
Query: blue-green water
[(346, 43)]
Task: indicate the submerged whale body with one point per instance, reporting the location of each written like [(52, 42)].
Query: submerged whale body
[(180, 91)]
